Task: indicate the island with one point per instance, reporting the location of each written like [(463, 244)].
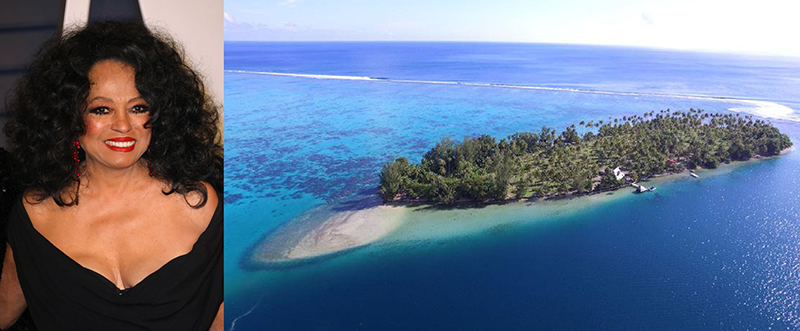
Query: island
[(587, 158), (606, 156)]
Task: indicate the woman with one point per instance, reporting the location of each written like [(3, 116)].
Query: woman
[(121, 225)]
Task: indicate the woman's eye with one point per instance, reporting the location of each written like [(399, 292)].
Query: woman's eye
[(99, 110), (140, 109)]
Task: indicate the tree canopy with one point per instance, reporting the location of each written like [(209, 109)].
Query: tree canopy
[(544, 163)]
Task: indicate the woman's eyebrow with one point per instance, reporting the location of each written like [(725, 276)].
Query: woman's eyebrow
[(109, 99), (100, 98)]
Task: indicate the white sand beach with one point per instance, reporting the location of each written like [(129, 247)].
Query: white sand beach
[(339, 231), (348, 230)]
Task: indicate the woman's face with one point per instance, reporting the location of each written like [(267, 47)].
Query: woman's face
[(115, 116)]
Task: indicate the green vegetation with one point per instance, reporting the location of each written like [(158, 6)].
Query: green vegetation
[(544, 163)]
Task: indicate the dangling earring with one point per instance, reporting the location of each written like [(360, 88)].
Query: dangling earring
[(76, 145)]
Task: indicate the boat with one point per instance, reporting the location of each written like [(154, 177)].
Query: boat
[(694, 175), (642, 188)]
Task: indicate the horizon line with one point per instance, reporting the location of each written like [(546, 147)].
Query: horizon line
[(648, 47)]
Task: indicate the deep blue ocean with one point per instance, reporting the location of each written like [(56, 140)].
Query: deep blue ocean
[(720, 253)]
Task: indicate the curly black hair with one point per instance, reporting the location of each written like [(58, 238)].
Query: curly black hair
[(48, 104)]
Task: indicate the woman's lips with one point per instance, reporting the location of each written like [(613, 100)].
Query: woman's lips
[(123, 144)]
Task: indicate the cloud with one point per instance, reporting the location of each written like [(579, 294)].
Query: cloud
[(229, 18), (289, 3)]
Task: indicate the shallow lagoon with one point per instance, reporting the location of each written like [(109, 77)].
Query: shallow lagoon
[(718, 253)]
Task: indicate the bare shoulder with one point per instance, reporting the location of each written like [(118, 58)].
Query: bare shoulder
[(201, 216), (213, 197), (39, 211), (31, 201), (195, 198)]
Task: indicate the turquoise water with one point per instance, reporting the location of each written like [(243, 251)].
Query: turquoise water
[(718, 253)]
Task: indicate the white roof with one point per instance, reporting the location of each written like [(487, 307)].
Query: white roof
[(618, 173)]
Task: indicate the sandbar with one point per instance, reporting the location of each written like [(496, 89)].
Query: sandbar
[(339, 231)]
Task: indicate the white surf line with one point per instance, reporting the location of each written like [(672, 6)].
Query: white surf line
[(768, 109), (499, 85), (233, 324), (338, 77), (761, 108)]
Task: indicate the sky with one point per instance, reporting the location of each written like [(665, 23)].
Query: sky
[(733, 26)]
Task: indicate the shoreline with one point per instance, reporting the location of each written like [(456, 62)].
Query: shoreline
[(569, 195), (327, 233)]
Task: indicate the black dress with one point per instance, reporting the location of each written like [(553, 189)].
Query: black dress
[(184, 294)]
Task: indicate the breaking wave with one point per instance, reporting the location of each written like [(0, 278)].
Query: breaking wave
[(766, 109)]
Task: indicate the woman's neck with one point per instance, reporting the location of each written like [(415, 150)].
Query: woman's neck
[(98, 180)]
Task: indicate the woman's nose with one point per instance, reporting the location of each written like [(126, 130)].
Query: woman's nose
[(122, 122)]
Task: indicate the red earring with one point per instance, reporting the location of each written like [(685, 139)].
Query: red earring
[(76, 145)]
